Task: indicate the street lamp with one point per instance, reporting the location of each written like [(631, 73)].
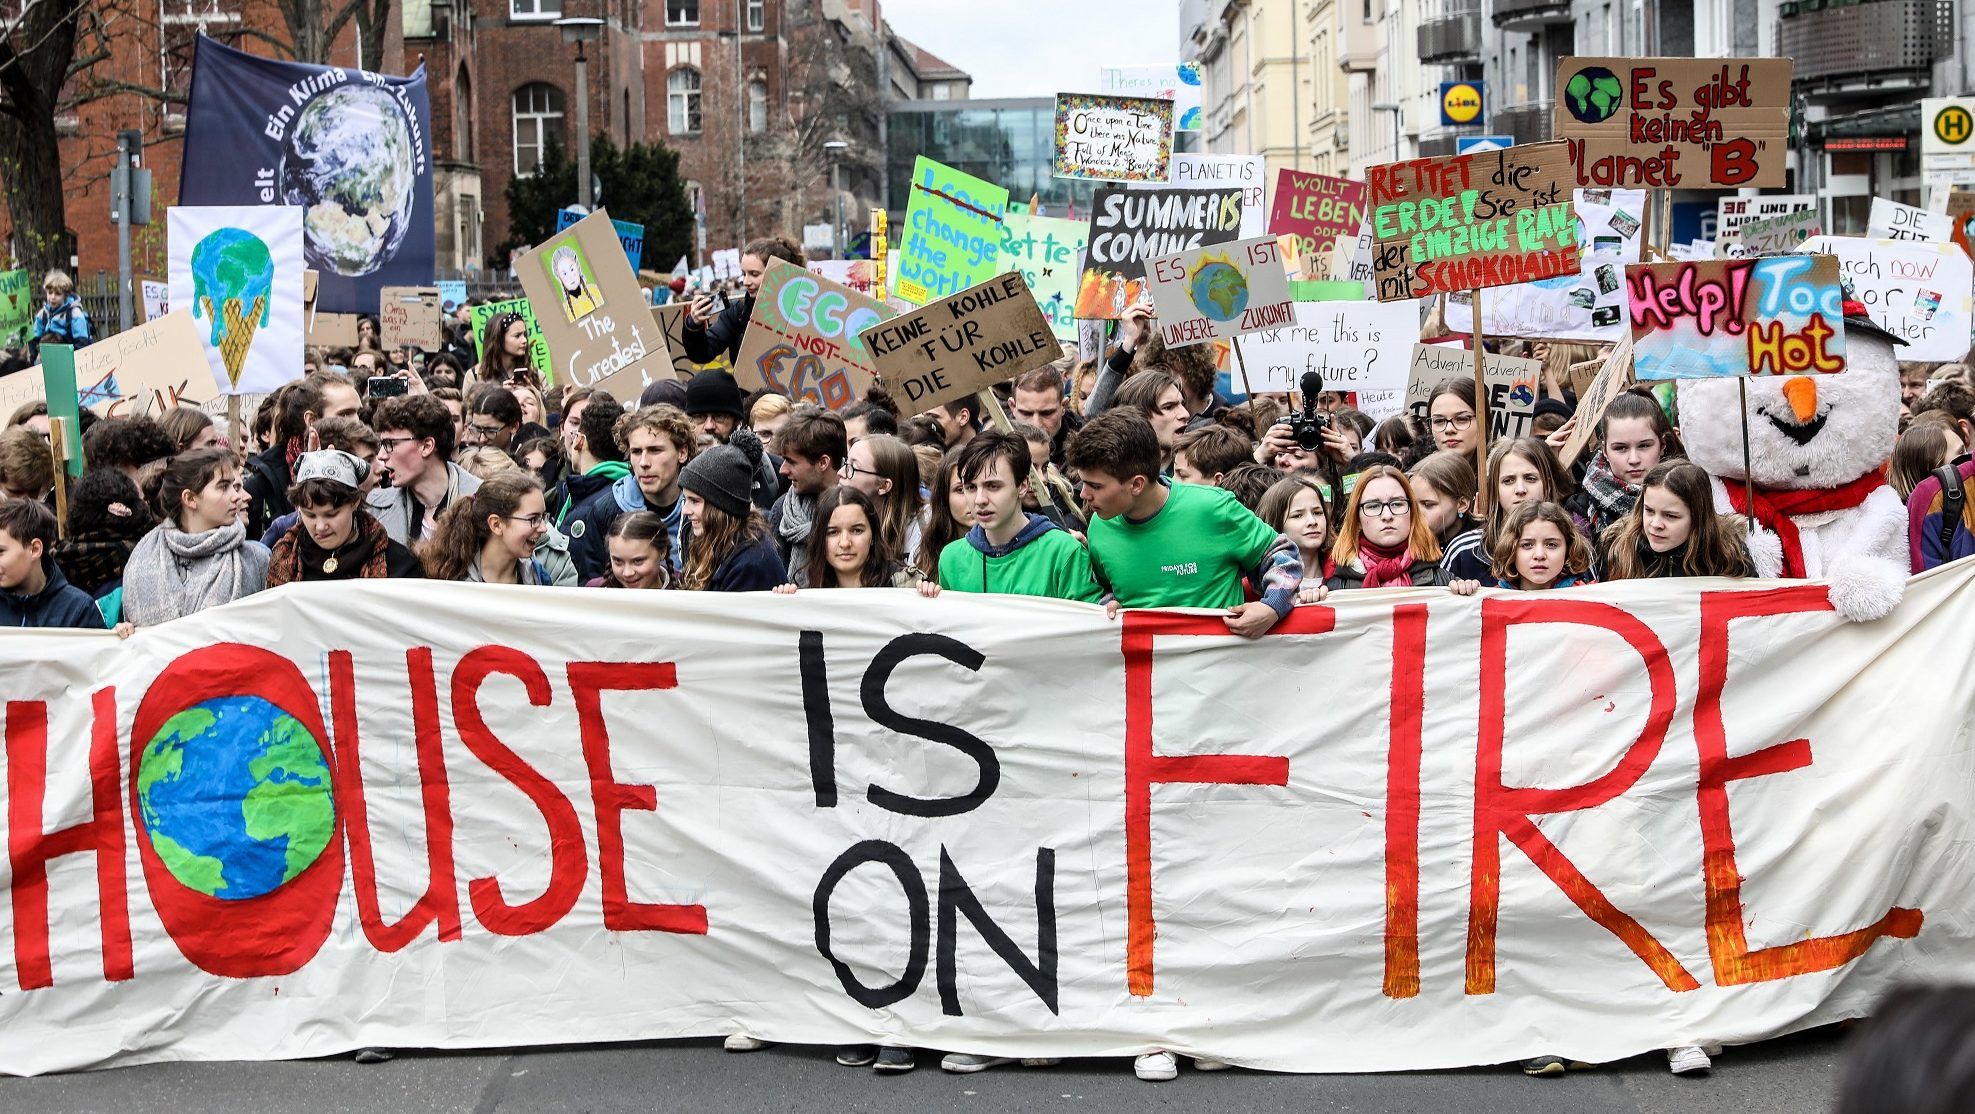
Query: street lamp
[(1398, 124), (834, 150), (580, 30)]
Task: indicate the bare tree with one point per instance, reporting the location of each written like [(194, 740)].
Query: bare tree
[(37, 58)]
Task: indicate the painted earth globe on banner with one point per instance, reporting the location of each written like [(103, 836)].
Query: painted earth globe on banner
[(236, 797), (349, 159), (1593, 94), (1218, 289)]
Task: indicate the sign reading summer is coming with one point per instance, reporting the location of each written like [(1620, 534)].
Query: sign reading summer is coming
[(1493, 218), (1691, 123)]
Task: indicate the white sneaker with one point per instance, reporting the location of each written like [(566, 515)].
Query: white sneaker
[(1689, 1059), (1157, 1067), (1204, 1063), (967, 1063), (741, 1042)]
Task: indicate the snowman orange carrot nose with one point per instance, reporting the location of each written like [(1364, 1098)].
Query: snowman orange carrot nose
[(1801, 390)]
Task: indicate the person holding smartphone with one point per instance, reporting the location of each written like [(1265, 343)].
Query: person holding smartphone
[(712, 331)]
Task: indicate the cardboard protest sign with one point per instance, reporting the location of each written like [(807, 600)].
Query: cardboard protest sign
[(1358, 346), (671, 320), (140, 372), (1779, 315), (1113, 139), (409, 317), (591, 312), (1219, 292), (1731, 213), (1047, 250), (952, 234), (238, 269), (1666, 123), (631, 236), (1773, 234), (1891, 220), (1317, 210), (962, 344), (805, 338), (1248, 173), (1175, 82), (1129, 227), (1513, 383), (538, 347), (1488, 219), (452, 294), (1586, 306), (1918, 292), (17, 307), (1611, 380)]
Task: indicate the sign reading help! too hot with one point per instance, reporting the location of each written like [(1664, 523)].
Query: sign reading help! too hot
[(804, 338), (1662, 123), (1494, 218), (1220, 292), (961, 345), (1778, 315)]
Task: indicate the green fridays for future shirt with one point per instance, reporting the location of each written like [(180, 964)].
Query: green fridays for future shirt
[(1193, 553)]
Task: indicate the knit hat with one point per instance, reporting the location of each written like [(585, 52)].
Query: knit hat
[(714, 392), (1555, 406), (669, 391), (724, 474)]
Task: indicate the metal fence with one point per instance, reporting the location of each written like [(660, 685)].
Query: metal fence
[(99, 295)]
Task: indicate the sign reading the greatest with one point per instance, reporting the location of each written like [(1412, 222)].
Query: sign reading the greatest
[(1488, 219), (1693, 123)]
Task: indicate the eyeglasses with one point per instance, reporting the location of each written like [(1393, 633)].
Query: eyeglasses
[(485, 430), (1372, 508), (530, 520), (386, 445), (850, 470), (1459, 421)]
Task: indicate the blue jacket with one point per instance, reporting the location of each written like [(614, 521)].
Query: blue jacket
[(589, 527), (65, 324), (752, 568), (58, 604)]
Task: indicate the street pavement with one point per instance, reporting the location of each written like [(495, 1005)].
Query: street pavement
[(1794, 1075)]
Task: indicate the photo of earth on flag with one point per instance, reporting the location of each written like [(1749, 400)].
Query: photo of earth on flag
[(349, 160)]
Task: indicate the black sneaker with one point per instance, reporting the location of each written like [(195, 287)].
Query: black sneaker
[(896, 1061), (856, 1055), (373, 1055)]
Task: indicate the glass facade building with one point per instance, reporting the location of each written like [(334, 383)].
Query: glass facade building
[(1007, 142)]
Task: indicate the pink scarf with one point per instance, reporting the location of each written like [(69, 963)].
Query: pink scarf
[(1386, 566)]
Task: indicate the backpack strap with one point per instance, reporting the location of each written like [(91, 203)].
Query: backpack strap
[(1953, 498)]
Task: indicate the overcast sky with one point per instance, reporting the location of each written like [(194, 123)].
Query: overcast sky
[(1038, 48)]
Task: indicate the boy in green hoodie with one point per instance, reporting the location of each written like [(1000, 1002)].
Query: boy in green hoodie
[(1009, 550)]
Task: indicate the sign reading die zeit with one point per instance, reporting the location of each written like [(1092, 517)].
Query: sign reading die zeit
[(1692, 123), (962, 344)]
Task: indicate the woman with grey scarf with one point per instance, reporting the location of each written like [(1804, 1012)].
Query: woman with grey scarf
[(198, 556)]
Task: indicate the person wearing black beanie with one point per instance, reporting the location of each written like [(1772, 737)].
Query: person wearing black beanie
[(713, 402), (730, 548)]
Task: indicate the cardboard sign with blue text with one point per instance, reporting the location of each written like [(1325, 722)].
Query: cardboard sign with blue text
[(632, 236), (1778, 315)]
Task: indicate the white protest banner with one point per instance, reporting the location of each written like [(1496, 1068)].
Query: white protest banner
[(1248, 173), (454, 816), (1513, 382), (238, 269), (1731, 213), (1354, 346), (1766, 235), (1219, 292), (155, 297), (1891, 220), (1115, 139), (1586, 306), (1918, 292)]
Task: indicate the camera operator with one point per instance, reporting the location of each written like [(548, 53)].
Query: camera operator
[(1308, 439)]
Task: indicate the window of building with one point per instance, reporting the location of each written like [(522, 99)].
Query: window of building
[(943, 91), (682, 13), (463, 115), (537, 118), (757, 14), (534, 9), (682, 101), (757, 106)]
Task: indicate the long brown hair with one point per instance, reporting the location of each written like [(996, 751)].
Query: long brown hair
[(164, 490), (941, 530), (1556, 481), (878, 563), (1714, 547), (720, 536), (462, 531), (496, 366), (1577, 551), (1451, 475), (894, 460), (1420, 539)]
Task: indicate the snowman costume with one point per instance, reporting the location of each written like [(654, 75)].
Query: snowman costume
[(1819, 446)]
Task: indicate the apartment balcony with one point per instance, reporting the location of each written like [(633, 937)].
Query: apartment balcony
[(1528, 123), (1846, 50), (1451, 39), (1359, 41), (1529, 15)]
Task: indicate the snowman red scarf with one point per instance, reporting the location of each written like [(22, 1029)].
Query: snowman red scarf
[(1775, 507)]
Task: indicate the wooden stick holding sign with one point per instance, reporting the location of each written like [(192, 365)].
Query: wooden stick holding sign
[(1241, 363), (1480, 408), (58, 442)]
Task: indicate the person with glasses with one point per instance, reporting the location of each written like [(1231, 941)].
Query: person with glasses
[(489, 537), (492, 418), (1384, 539), (415, 448), (1450, 416), (887, 470)]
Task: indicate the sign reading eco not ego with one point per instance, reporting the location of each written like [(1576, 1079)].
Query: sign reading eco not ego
[(804, 338)]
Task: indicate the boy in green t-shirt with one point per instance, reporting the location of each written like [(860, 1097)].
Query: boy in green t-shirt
[(1164, 545), (1009, 550)]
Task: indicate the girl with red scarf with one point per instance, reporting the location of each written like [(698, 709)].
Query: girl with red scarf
[(1383, 537)]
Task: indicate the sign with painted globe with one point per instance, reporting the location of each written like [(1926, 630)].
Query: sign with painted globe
[(352, 148), (1214, 293)]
